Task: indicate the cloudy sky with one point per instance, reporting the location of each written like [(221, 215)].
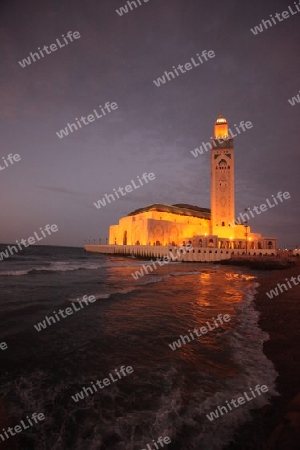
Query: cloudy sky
[(154, 129)]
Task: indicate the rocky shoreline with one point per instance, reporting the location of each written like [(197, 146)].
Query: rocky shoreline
[(260, 262), (271, 427)]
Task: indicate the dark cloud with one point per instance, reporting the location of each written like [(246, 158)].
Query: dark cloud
[(154, 129)]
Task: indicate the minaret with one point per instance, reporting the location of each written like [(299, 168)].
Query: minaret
[(222, 180)]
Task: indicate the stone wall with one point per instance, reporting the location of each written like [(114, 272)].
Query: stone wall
[(194, 254)]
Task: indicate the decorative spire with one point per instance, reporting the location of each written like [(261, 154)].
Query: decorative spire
[(221, 127)]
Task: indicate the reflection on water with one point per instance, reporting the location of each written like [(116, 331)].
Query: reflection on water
[(131, 323)]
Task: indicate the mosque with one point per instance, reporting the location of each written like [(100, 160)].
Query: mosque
[(180, 224)]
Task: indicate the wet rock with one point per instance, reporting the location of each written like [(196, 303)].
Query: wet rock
[(286, 435)]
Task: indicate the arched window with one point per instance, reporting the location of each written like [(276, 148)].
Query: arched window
[(211, 243)]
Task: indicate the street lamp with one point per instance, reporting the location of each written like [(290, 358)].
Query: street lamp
[(246, 225)]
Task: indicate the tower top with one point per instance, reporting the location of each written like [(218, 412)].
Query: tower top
[(221, 128)]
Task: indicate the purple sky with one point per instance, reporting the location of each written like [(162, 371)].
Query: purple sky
[(154, 129)]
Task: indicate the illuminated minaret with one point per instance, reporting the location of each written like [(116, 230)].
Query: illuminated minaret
[(222, 180)]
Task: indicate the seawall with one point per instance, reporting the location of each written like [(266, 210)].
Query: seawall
[(189, 255)]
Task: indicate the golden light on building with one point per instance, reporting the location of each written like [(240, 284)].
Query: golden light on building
[(221, 128), (180, 224)]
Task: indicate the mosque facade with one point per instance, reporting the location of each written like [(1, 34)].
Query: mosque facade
[(179, 224)]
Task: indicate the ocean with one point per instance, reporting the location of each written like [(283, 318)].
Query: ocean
[(131, 323)]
